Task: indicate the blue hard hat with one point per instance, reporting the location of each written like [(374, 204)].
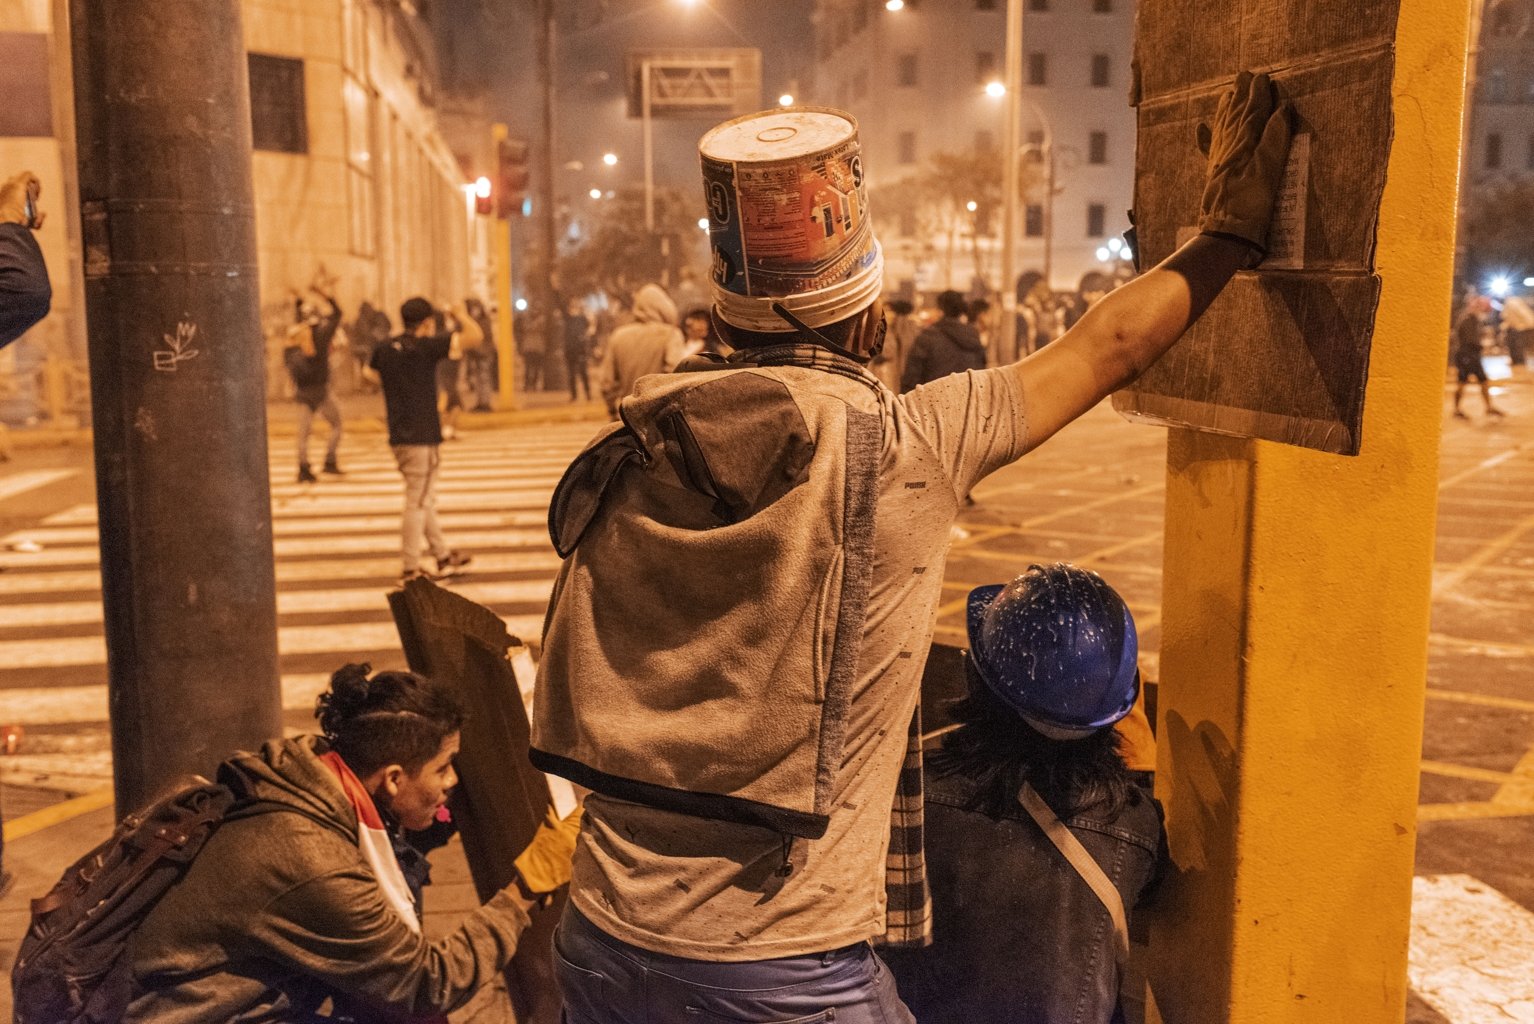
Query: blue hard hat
[(1058, 646)]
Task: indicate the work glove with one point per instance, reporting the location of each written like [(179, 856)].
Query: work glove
[(1247, 149), (545, 865), (13, 200)]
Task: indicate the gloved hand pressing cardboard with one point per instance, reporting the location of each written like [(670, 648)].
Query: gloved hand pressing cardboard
[(545, 865), (1247, 148)]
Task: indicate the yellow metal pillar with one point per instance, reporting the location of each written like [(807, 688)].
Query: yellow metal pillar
[(1294, 648), (505, 337)]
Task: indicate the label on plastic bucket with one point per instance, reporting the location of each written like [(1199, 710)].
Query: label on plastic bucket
[(787, 203)]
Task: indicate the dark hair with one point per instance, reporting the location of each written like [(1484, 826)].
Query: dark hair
[(900, 307), (839, 333), (413, 311), (701, 313), (393, 718), (952, 304), (1000, 751)]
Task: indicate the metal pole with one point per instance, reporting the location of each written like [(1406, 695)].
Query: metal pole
[(177, 385), (546, 288), (1049, 208), (1007, 346), (505, 328), (649, 150)]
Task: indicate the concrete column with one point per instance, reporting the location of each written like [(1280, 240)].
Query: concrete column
[(1294, 652)]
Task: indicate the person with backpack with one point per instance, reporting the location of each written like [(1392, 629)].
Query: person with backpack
[(1039, 838), (304, 898)]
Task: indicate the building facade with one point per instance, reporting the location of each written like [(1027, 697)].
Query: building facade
[(353, 181), (916, 80), (1500, 146)]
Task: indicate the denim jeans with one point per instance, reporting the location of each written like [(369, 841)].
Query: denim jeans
[(330, 413), (418, 465), (606, 981)]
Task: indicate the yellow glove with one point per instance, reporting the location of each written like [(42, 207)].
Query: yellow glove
[(13, 200), (545, 864)]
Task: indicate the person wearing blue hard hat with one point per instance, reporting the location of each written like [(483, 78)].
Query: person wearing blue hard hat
[(1038, 836)]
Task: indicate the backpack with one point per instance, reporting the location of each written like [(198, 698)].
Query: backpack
[(70, 968)]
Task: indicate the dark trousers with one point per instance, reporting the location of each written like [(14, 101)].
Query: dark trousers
[(575, 363), (606, 981)]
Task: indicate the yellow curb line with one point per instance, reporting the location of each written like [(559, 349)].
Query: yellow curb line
[(37, 821)]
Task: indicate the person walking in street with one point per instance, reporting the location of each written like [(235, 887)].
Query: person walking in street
[(479, 363), (307, 357), (949, 345), (1468, 362), (25, 294), (752, 740), (532, 343), (308, 907), (577, 345), (1517, 330), (652, 343), (1034, 931), (407, 370)]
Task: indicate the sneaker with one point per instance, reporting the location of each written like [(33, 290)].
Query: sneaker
[(332, 468), (1498, 413), (452, 562), (305, 474), (1459, 415), (416, 574)]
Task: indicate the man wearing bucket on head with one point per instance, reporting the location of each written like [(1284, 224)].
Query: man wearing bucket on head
[(754, 556)]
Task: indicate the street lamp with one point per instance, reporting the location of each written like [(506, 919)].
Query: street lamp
[(610, 159), (894, 5), (595, 193), (996, 89), (972, 206), (786, 100)]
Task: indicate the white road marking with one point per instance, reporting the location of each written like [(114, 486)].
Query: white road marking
[(21, 483), (1471, 951)]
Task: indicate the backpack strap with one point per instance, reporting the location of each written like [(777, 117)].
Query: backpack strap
[(1088, 868)]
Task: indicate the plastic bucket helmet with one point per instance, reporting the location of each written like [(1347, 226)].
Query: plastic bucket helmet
[(1057, 645), (788, 219)]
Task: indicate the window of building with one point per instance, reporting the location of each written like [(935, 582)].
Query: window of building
[(1101, 70), (1033, 220), (1496, 86), (1097, 148), (1038, 69), (1102, 6), (277, 118), (985, 5), (905, 69), (859, 17), (985, 66), (905, 147), (985, 142), (1494, 151), (357, 106), (1097, 219), (1038, 5)]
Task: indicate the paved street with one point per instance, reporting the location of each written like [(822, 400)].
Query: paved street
[(1093, 496)]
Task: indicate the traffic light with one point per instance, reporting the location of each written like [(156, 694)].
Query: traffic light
[(511, 176), (483, 204)]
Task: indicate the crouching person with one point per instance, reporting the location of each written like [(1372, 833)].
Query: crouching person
[(304, 905), (1029, 914)]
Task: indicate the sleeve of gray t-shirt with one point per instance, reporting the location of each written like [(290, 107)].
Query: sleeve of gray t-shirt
[(974, 420)]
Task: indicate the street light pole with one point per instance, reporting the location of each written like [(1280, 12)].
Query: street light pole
[(177, 386), (1007, 349), (645, 76), (547, 221)]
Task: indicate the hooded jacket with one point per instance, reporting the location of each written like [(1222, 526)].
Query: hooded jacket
[(25, 295), (651, 344), (280, 913), (948, 346)]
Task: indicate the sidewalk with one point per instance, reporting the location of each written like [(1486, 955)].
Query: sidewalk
[(360, 413)]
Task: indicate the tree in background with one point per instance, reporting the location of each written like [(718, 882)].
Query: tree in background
[(613, 253), (1497, 236)]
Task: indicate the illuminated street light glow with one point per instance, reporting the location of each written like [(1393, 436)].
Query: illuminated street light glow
[(703, 223), (1103, 254), (1500, 286), (521, 305), (995, 89), (595, 193), (482, 187), (786, 100), (610, 159), (894, 5), (1115, 245), (1528, 282), (972, 206)]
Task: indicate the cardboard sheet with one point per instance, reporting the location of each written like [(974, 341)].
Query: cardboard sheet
[(1283, 354)]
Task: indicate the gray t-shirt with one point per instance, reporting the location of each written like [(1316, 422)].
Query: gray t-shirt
[(713, 890)]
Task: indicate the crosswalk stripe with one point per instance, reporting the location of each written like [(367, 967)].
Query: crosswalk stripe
[(1471, 948), (530, 517), (21, 483)]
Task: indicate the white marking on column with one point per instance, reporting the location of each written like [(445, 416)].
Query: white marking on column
[(1471, 951)]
